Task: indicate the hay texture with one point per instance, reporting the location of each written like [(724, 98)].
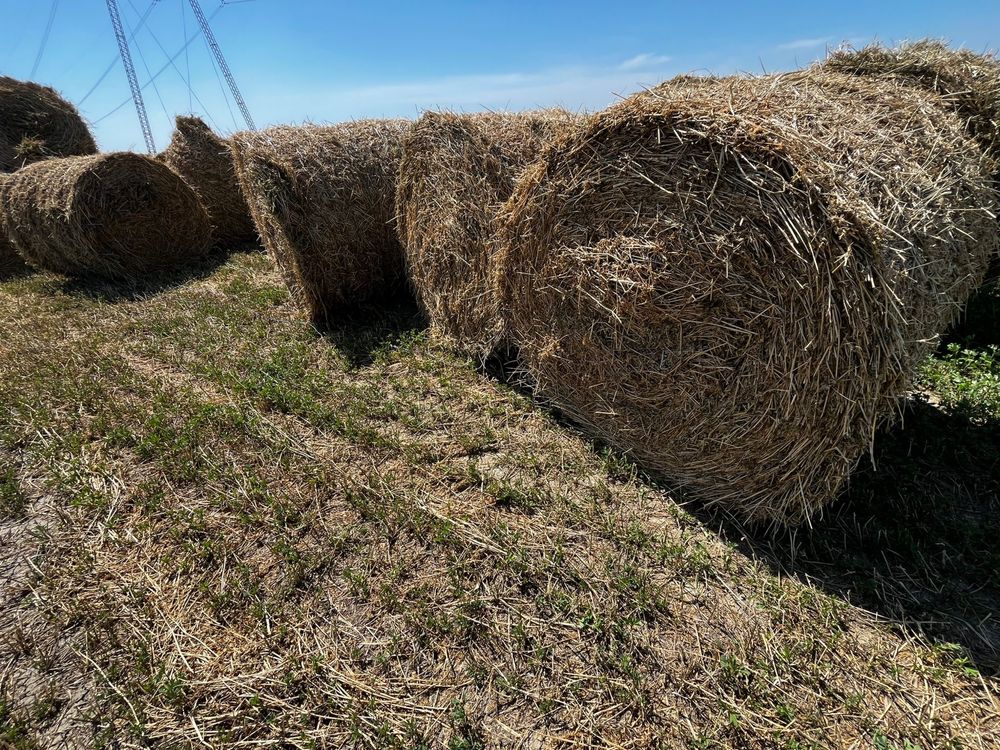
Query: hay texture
[(36, 123), (117, 216), (456, 172), (734, 280), (968, 82), (323, 200), (205, 162)]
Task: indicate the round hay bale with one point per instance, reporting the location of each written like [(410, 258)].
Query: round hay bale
[(967, 81), (323, 200), (118, 216), (36, 123), (734, 280), (205, 162), (456, 172)]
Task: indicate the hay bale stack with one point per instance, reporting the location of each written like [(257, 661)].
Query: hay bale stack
[(967, 82), (456, 171), (118, 216), (733, 280), (205, 162), (36, 123), (323, 202)]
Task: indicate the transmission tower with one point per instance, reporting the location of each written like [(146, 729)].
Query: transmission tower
[(217, 51), (133, 81)]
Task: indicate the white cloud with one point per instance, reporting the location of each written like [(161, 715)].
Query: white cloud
[(799, 44), (581, 87), (644, 61)]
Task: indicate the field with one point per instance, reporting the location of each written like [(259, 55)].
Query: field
[(220, 528)]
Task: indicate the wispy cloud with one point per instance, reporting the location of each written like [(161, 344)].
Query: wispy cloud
[(579, 87), (644, 61), (800, 44)]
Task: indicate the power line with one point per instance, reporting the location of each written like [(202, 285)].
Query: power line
[(133, 81), (191, 92), (142, 57), (187, 56), (216, 50), (116, 58), (160, 71), (45, 39)]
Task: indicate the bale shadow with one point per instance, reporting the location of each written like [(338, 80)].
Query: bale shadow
[(980, 323), (360, 332), (915, 538), (113, 291), (14, 268)]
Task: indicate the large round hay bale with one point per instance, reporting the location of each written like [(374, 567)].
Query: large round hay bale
[(36, 123), (456, 172), (118, 216), (323, 200), (733, 280), (205, 162)]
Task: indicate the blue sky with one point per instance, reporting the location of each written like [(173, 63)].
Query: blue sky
[(299, 60)]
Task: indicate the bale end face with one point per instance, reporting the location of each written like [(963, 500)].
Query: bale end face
[(455, 173), (322, 199), (205, 163), (733, 281)]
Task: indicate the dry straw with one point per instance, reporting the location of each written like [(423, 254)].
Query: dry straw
[(36, 123), (456, 172), (115, 215), (733, 280), (205, 162), (323, 202), (968, 82)]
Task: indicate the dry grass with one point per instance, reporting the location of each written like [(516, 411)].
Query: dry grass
[(456, 171), (734, 280), (205, 162), (248, 540), (114, 215), (323, 200), (37, 123)]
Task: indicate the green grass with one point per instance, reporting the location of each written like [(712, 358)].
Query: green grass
[(264, 534)]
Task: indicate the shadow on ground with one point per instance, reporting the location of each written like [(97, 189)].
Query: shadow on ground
[(106, 290), (359, 333), (916, 536)]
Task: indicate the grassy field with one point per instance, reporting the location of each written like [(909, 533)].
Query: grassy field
[(219, 528)]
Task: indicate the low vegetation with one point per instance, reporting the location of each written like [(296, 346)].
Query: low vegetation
[(218, 527)]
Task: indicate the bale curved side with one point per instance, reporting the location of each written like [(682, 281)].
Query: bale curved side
[(734, 280), (205, 162), (36, 123), (323, 201), (118, 216), (967, 81), (456, 171)]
